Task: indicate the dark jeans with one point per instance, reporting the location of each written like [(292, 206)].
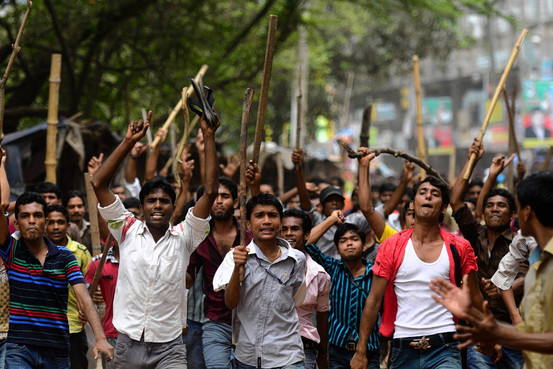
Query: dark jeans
[(511, 359), (442, 354), (194, 347), (78, 349), (131, 354), (339, 358), (30, 357)]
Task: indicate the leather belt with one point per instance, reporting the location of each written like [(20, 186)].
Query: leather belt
[(425, 342)]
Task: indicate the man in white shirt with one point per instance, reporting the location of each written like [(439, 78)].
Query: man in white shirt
[(150, 297)]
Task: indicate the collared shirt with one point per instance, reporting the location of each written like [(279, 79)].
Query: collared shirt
[(150, 297), (519, 251), (488, 261), (83, 259), (107, 283), (347, 300), (326, 242), (316, 299), (195, 300), (4, 302), (265, 323), (38, 293), (207, 255), (537, 306)]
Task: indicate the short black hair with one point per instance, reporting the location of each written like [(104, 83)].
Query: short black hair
[(404, 210), (536, 191), (306, 224), (70, 195), (504, 193), (263, 199), (47, 187), (474, 183), (131, 202), (157, 183), (386, 187), (471, 200), (28, 198), (230, 185), (438, 183), (57, 208), (344, 228)]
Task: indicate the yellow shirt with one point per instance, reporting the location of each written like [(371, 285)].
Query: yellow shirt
[(537, 306), (83, 258), (388, 232)]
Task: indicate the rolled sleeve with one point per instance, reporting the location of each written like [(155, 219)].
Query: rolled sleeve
[(199, 228), (222, 276)]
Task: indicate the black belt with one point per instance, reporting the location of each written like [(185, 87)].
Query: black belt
[(425, 342), (309, 344)]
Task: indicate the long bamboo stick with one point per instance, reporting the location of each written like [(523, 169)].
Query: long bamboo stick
[(264, 92), (92, 205), (52, 121), (15, 50), (420, 133), (298, 117), (98, 272), (248, 99), (547, 159), (178, 107), (511, 115), (495, 97)]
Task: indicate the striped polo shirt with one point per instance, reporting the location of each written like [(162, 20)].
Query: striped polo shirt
[(38, 294), (347, 300)]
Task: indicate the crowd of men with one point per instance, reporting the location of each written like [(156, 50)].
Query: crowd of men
[(420, 275)]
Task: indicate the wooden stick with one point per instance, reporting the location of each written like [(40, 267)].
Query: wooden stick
[(364, 135), (98, 272), (511, 114), (248, 99), (420, 134), (495, 97), (99, 364), (547, 160), (397, 153), (92, 205), (178, 107), (264, 93), (15, 50), (52, 121), (298, 118)]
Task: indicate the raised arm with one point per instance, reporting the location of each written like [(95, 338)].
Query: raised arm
[(498, 164), (364, 194), (186, 167), (253, 177), (337, 217), (407, 175), (151, 162), (130, 169), (460, 187), (5, 192), (232, 291), (211, 180), (104, 175), (297, 159)]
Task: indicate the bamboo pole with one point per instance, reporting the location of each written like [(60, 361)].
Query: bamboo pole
[(420, 133), (298, 118), (364, 135), (511, 115), (248, 98), (98, 272), (52, 121), (547, 159), (178, 107), (264, 92), (15, 50), (495, 97), (92, 205)]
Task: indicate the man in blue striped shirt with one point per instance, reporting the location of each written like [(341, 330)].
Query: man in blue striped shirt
[(351, 281)]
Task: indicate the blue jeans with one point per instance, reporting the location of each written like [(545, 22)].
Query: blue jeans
[(511, 359), (2, 353), (298, 365), (217, 343), (29, 357), (339, 358), (193, 342), (444, 356)]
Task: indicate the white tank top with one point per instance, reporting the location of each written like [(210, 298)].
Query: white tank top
[(418, 314)]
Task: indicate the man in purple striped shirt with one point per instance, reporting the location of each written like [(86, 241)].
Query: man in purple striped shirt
[(38, 273)]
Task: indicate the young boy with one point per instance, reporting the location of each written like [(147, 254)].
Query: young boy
[(264, 282)]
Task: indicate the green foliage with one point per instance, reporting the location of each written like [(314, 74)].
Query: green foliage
[(123, 55)]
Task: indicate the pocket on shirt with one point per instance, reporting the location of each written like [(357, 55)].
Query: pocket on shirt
[(171, 269), (284, 299)]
